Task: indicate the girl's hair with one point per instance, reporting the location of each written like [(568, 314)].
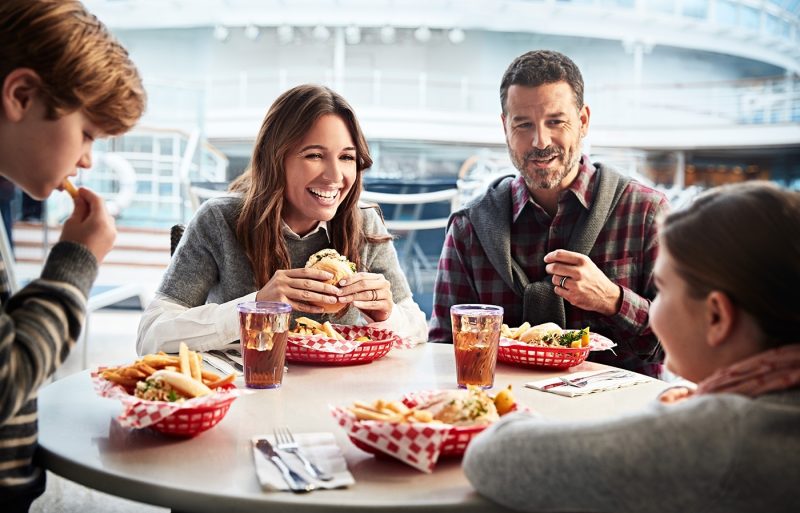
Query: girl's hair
[(81, 65), (263, 184), (743, 240)]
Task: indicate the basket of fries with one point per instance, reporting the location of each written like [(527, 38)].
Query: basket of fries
[(170, 394), (327, 344), (424, 426)]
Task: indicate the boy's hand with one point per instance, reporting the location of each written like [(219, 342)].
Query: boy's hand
[(90, 224)]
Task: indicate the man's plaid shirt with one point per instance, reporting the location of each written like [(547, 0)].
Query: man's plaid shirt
[(625, 251)]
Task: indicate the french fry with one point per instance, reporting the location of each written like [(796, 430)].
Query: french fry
[(119, 379), (327, 327), (194, 366), (222, 381), (389, 411), (183, 358), (148, 370), (525, 326), (422, 415), (398, 407), (159, 361), (364, 414), (70, 188)]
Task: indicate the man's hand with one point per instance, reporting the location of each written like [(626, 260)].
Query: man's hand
[(90, 224), (585, 286)]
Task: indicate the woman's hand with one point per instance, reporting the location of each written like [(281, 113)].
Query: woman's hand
[(300, 287), (369, 292)]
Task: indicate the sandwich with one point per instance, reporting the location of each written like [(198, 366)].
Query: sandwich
[(470, 407), (541, 334), (339, 266), (166, 385)]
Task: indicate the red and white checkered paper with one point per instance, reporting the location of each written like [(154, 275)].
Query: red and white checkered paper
[(139, 413), (417, 444), (350, 333)]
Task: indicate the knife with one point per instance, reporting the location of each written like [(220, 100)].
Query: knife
[(296, 482)]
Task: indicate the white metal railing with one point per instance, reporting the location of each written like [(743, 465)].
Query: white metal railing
[(766, 100), (161, 166)]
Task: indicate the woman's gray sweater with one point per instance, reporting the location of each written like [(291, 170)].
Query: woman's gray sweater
[(210, 266)]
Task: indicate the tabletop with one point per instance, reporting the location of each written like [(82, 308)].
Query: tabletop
[(80, 440)]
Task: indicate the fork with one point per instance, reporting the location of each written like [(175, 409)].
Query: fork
[(285, 442), (582, 382)]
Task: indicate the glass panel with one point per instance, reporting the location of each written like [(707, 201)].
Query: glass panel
[(749, 18), (665, 6), (727, 13), (695, 9)]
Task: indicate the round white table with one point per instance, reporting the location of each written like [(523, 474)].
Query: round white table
[(81, 441)]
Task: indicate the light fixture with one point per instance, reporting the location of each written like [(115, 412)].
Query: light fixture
[(285, 34), (251, 32), (221, 33), (352, 34), (321, 33), (456, 36), (422, 34), (388, 34)]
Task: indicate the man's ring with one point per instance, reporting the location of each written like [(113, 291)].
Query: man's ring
[(563, 281), (374, 295)]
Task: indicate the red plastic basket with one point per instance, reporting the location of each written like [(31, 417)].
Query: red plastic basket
[(381, 344), (188, 422), (458, 438), (545, 357)]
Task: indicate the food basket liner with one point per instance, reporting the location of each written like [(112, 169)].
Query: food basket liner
[(417, 444), (183, 418), (321, 349)]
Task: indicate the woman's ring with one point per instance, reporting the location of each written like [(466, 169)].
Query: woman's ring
[(374, 295), (563, 281)]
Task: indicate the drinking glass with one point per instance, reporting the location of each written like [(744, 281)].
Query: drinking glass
[(264, 329), (476, 338)]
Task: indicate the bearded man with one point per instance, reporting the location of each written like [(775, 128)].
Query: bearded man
[(567, 241)]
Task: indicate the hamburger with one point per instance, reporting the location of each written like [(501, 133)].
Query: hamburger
[(339, 266)]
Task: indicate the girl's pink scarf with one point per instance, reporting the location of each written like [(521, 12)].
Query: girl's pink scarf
[(769, 371)]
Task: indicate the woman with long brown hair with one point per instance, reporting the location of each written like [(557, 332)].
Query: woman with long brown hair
[(728, 315), (299, 196)]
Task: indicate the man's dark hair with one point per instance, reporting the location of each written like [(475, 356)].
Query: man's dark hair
[(540, 67)]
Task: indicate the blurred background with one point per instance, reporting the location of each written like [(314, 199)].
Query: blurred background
[(685, 94)]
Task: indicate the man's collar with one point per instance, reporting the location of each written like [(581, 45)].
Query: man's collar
[(323, 225), (581, 187)]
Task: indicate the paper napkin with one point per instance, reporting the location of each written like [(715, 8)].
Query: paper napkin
[(227, 360), (599, 385), (321, 448)]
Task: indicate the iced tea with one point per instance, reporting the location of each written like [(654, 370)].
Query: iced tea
[(264, 332), (476, 338)]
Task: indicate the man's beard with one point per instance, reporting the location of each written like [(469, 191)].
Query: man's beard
[(550, 177)]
